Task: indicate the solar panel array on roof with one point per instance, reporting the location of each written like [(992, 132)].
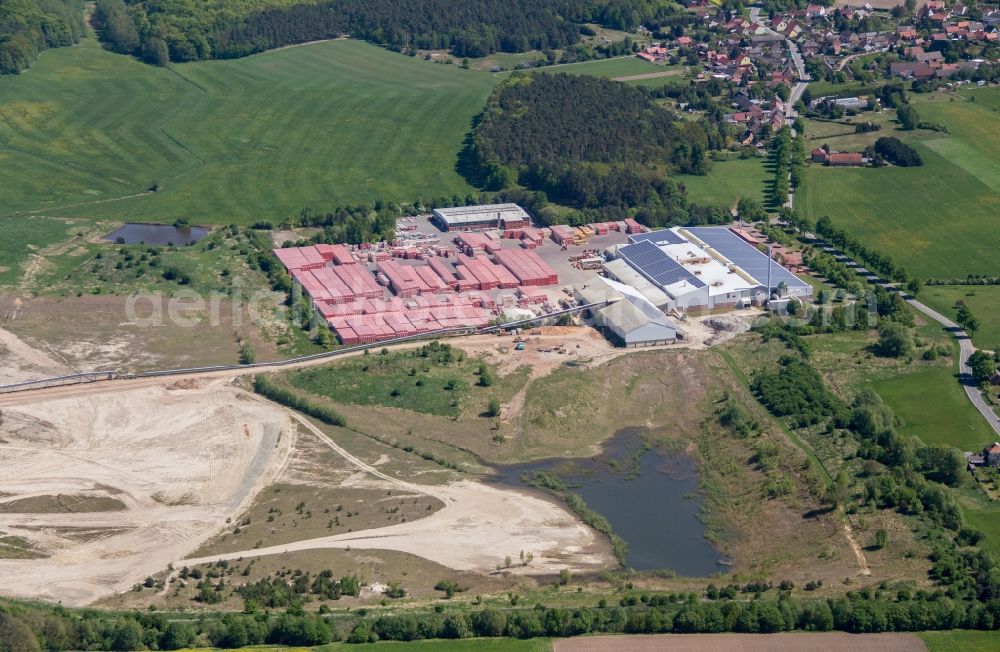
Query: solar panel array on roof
[(745, 255), (656, 265), (662, 236)]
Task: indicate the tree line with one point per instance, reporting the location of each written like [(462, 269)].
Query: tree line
[(186, 30), (872, 609), (28, 27)]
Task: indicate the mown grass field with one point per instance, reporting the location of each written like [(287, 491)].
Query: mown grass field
[(965, 640), (727, 181), (983, 301), (936, 220), (934, 407), (86, 132)]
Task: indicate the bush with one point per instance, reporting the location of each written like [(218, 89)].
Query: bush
[(894, 340), (897, 152), (268, 390)]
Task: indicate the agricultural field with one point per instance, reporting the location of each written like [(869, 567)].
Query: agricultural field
[(87, 133), (727, 181), (965, 640), (939, 231), (486, 644), (982, 300)]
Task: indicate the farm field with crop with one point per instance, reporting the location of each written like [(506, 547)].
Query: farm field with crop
[(931, 219), (87, 133)]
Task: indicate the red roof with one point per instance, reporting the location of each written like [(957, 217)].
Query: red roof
[(995, 448), (845, 158)]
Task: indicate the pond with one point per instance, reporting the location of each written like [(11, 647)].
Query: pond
[(157, 234), (650, 498)]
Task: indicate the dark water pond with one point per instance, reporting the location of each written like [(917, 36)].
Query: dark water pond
[(650, 498), (157, 234)]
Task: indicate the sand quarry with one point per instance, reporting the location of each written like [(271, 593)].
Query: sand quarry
[(106, 485)]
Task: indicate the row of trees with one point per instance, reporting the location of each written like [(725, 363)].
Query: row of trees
[(875, 260), (286, 397), (27, 27), (31, 629)]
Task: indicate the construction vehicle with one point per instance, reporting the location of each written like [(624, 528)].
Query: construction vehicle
[(536, 331)]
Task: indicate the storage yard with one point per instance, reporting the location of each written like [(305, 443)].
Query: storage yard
[(434, 276), (468, 267)]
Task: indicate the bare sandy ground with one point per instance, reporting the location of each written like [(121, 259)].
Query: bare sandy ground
[(19, 361), (790, 641), (477, 528), (182, 461)]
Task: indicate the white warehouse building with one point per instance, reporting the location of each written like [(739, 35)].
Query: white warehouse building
[(629, 315)]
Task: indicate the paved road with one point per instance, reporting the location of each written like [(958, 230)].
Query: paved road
[(800, 67), (965, 345)]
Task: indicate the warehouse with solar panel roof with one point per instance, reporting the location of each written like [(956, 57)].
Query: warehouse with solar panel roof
[(700, 268)]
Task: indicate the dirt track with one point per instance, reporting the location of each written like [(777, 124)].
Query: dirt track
[(19, 361), (790, 641)]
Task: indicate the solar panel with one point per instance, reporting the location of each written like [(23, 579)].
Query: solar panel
[(659, 237), (656, 265), (745, 255)]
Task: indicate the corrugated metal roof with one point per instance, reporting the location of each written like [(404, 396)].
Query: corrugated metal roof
[(662, 236)]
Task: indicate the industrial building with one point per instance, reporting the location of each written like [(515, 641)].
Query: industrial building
[(478, 218), (629, 315), (700, 268)]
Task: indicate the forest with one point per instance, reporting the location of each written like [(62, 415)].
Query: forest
[(27, 27), (185, 30), (592, 144)]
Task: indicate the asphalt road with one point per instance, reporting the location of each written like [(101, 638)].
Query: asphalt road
[(965, 345)]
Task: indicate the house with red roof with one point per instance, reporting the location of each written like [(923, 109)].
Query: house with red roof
[(991, 454)]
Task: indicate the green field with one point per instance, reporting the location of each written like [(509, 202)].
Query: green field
[(623, 67), (934, 407), (934, 220), (85, 132), (616, 67), (727, 181), (24, 236), (434, 379), (982, 300), (964, 640)]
